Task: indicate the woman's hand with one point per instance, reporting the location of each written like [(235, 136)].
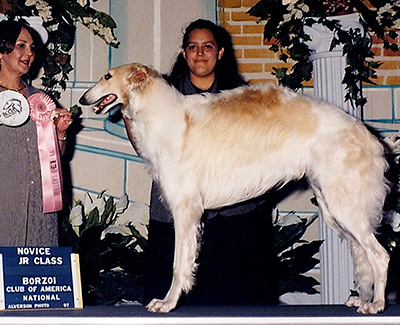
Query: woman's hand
[(62, 120)]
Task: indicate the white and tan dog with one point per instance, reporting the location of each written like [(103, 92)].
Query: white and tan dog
[(209, 151)]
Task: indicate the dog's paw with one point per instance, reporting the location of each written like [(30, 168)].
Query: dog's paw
[(353, 301), (160, 306), (371, 307)]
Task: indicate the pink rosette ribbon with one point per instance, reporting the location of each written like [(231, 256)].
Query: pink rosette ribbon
[(41, 108)]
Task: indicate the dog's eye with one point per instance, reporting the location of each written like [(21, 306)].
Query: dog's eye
[(107, 76)]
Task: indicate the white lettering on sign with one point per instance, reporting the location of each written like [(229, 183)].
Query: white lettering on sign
[(65, 288), (19, 306), (39, 280), (42, 305), (48, 297), (33, 251), (14, 289), (48, 260), (23, 260)]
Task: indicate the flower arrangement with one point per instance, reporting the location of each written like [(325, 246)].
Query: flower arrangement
[(59, 19), (111, 239), (285, 28)]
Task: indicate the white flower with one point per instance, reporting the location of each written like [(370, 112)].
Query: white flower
[(76, 217), (294, 10), (89, 204), (104, 32), (29, 3), (114, 229), (390, 9), (108, 35), (82, 2), (386, 8), (44, 10), (121, 230), (285, 2), (137, 214), (298, 13), (304, 7), (394, 143), (87, 201), (393, 218), (122, 204), (92, 23), (396, 24), (287, 17), (289, 219)]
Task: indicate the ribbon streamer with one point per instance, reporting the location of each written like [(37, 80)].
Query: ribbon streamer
[(41, 108)]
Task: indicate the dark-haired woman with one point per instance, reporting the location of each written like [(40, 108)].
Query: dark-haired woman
[(22, 220), (237, 257)]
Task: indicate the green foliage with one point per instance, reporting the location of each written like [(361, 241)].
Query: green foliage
[(75, 110), (111, 255), (295, 256), (285, 26), (60, 18)]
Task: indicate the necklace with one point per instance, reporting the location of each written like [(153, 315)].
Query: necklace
[(17, 90)]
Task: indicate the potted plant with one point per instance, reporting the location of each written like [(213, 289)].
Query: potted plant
[(296, 256), (111, 239)]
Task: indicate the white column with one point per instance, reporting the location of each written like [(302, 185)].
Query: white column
[(337, 271)]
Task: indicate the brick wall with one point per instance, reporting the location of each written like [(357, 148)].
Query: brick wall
[(255, 58)]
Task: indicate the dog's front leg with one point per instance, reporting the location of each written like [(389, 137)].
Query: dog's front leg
[(187, 238)]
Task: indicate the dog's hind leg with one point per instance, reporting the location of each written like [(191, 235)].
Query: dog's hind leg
[(187, 221), (379, 260), (349, 215), (365, 279), (364, 272)]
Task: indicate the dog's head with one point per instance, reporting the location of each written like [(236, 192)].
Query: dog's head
[(116, 87)]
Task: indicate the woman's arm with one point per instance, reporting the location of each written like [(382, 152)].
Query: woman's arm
[(62, 121)]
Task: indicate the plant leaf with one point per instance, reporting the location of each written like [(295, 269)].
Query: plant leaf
[(299, 283)]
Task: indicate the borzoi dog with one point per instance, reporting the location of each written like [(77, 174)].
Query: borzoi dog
[(214, 150)]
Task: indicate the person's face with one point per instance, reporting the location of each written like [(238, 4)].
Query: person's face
[(201, 53), (20, 59)]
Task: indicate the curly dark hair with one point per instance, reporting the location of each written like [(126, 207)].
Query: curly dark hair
[(226, 69), (9, 32)]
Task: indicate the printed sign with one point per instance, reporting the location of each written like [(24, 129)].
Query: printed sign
[(39, 278)]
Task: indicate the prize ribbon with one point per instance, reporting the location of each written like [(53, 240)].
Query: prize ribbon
[(41, 109)]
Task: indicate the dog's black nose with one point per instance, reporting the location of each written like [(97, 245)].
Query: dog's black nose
[(83, 101)]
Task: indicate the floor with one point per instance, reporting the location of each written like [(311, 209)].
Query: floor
[(137, 314)]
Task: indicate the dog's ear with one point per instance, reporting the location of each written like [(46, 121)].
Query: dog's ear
[(137, 78)]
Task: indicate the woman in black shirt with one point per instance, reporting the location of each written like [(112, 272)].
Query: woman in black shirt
[(237, 257)]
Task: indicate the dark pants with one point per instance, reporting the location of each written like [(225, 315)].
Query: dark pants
[(237, 261)]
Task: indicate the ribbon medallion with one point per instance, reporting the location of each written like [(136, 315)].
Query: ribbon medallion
[(14, 109)]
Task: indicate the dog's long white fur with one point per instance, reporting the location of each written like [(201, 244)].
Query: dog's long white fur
[(209, 151)]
